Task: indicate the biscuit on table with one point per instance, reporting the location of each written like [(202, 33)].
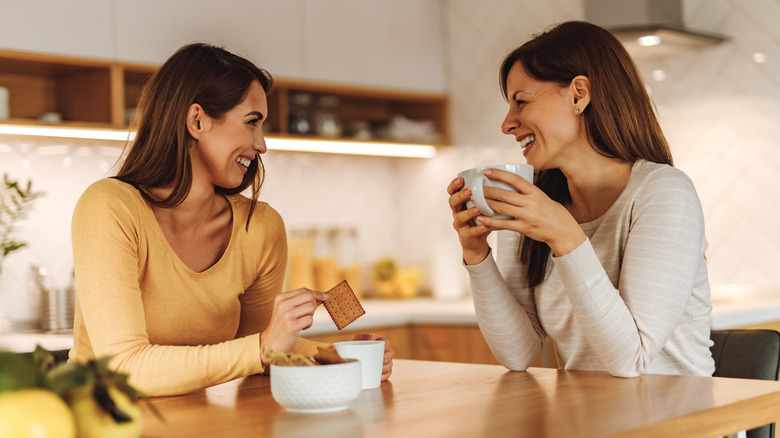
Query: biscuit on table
[(328, 355), (342, 305)]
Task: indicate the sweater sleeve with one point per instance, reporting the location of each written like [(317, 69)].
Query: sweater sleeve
[(257, 302), (504, 306), (628, 325), (106, 249)]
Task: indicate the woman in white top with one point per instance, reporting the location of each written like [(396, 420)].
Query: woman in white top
[(605, 254)]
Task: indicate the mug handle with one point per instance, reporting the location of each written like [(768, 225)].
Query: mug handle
[(478, 195)]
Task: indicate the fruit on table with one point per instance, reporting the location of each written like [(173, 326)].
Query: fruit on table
[(39, 399), (408, 281), (94, 422), (104, 405), (391, 281), (35, 413)]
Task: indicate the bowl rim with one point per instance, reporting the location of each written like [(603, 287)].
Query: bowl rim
[(304, 367)]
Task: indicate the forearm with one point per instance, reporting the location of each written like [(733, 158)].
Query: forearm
[(160, 370), (514, 337), (627, 327)]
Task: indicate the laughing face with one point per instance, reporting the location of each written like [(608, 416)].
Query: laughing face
[(542, 119), (228, 145)]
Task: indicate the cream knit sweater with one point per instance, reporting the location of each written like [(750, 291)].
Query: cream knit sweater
[(634, 298)]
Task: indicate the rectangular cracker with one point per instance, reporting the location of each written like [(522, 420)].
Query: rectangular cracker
[(342, 305)]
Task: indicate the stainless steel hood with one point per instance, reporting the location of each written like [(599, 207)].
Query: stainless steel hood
[(650, 29)]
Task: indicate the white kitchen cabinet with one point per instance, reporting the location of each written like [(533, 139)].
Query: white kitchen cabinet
[(265, 31), (394, 44), (72, 27)]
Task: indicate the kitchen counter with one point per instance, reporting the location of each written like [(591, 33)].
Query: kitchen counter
[(21, 342), (736, 306), (733, 306), (394, 313)]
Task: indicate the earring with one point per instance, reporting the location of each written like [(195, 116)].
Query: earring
[(577, 111)]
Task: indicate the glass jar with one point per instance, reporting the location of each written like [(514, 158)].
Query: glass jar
[(325, 264), (326, 121), (300, 117), (348, 257), (300, 262)]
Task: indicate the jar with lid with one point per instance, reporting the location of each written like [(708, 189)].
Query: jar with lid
[(326, 121), (347, 255), (300, 262), (325, 263), (300, 117)]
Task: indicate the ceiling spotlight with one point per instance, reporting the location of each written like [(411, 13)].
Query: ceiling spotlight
[(759, 58), (659, 75), (649, 40)]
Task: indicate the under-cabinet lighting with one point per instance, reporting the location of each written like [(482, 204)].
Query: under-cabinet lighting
[(66, 132), (351, 147), (274, 143)]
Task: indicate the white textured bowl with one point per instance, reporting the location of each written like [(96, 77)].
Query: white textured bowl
[(316, 389)]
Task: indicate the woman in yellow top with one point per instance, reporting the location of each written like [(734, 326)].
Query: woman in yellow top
[(179, 276)]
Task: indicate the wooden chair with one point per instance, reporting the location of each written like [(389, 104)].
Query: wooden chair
[(747, 354)]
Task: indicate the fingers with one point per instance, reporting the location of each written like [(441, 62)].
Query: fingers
[(459, 198), (320, 297), (387, 360), (387, 365), (465, 218), (389, 352), (514, 180), (387, 369), (296, 309), (293, 312), (303, 295), (455, 185)]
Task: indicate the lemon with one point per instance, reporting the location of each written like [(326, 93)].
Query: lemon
[(93, 422), (35, 413)]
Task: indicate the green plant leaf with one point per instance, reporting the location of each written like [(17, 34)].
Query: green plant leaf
[(17, 372)]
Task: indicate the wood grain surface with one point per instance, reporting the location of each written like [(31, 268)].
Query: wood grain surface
[(443, 399)]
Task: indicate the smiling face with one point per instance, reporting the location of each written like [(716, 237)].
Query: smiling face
[(226, 147), (542, 118)]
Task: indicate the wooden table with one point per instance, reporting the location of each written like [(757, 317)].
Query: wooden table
[(440, 399)]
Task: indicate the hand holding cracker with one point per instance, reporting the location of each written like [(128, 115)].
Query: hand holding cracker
[(293, 312), (343, 305)]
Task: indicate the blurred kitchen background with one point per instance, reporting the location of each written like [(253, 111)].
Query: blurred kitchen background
[(719, 106)]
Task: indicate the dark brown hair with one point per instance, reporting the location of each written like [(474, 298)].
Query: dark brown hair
[(159, 156), (620, 120)]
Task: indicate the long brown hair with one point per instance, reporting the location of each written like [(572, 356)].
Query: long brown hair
[(159, 156), (620, 121)]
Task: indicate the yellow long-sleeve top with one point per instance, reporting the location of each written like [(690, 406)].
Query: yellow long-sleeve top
[(171, 329)]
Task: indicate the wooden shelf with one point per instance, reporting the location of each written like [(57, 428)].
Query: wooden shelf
[(98, 93), (83, 92), (371, 107)]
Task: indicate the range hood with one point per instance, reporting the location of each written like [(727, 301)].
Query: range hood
[(649, 29)]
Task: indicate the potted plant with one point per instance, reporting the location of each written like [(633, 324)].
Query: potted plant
[(15, 202)]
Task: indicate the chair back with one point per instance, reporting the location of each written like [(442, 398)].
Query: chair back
[(747, 354)]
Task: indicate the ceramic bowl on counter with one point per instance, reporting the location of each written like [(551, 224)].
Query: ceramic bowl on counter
[(318, 388)]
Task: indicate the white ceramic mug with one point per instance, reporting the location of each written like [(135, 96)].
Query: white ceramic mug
[(371, 355), (475, 179)]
